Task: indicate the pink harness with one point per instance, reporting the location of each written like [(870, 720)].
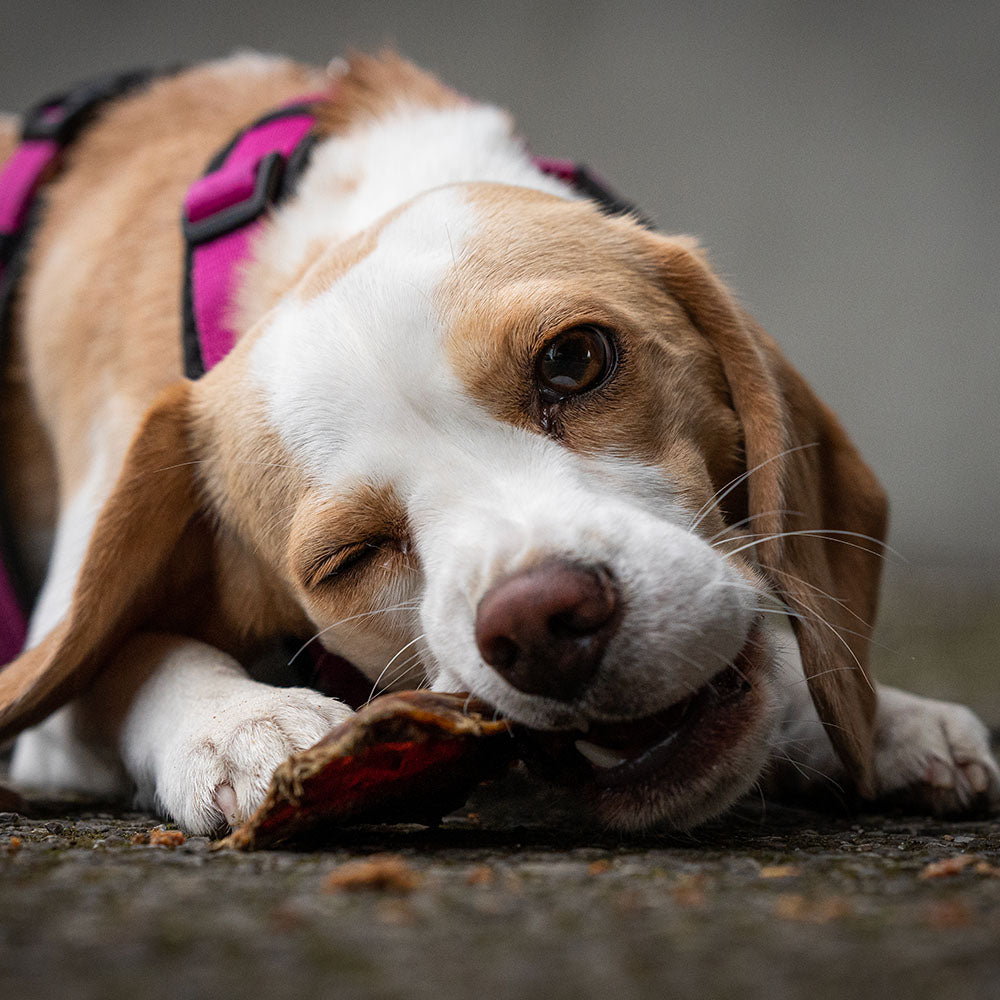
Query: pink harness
[(221, 215)]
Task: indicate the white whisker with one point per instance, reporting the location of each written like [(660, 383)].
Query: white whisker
[(747, 520), (404, 606), (827, 535), (378, 680), (721, 494)]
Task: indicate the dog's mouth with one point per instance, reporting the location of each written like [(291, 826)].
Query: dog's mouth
[(675, 744)]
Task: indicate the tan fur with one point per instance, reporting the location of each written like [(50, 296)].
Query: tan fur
[(99, 334), (155, 502), (336, 262), (10, 129), (830, 581), (101, 322), (668, 399), (267, 509), (378, 86)]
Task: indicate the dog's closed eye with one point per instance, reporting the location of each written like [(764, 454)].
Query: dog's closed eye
[(339, 542), (344, 559), (352, 557)]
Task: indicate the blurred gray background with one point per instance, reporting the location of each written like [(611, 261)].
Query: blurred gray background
[(839, 160)]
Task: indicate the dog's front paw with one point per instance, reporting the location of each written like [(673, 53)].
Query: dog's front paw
[(219, 769), (933, 756)]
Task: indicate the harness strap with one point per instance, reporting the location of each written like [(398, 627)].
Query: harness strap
[(46, 131), (13, 622), (222, 212)]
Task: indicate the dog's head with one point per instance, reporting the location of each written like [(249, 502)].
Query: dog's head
[(502, 443)]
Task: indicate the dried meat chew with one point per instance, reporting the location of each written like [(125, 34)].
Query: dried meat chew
[(408, 757)]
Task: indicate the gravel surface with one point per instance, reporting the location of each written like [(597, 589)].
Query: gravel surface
[(504, 902)]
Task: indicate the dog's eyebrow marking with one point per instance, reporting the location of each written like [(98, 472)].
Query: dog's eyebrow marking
[(331, 267)]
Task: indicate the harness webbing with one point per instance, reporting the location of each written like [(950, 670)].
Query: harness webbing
[(222, 212)]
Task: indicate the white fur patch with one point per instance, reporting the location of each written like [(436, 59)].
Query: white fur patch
[(202, 739)]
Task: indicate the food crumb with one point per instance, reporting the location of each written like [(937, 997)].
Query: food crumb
[(140, 838), (159, 837), (690, 891), (629, 901), (480, 875), (948, 913), (395, 913), (14, 845), (386, 872), (949, 866), (780, 871), (793, 906), (599, 867)]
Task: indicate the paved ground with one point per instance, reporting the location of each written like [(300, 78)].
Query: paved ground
[(520, 901), (784, 904)]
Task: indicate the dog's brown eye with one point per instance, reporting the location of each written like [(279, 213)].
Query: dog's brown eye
[(575, 361)]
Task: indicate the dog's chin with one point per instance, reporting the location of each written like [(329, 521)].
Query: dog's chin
[(677, 767)]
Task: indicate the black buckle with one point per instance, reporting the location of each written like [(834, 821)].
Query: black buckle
[(58, 119), (266, 183)]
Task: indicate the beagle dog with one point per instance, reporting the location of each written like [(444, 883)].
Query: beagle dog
[(474, 434)]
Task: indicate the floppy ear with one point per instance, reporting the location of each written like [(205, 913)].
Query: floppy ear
[(130, 548), (817, 512)]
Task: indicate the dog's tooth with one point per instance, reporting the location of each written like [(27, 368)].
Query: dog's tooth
[(599, 756)]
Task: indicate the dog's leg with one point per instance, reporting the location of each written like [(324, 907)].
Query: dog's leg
[(67, 751), (183, 722), (198, 736), (931, 756)]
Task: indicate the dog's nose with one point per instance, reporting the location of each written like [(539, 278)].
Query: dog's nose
[(545, 629)]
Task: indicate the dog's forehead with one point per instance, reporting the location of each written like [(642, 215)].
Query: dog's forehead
[(364, 357), (363, 351)]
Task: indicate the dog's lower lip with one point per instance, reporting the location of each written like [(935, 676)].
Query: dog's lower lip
[(644, 747)]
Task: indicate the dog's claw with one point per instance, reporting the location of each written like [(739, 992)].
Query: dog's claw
[(225, 799)]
